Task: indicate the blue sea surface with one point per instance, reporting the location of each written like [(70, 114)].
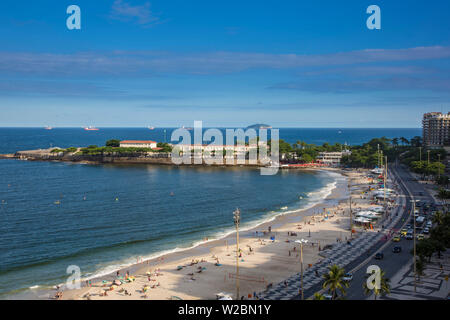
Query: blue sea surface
[(98, 217), (14, 139)]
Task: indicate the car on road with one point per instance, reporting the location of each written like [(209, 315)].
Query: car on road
[(426, 231), (327, 296), (429, 224), (408, 226), (347, 277), (403, 232), (409, 236), (379, 256), (396, 238), (397, 249), (420, 237)]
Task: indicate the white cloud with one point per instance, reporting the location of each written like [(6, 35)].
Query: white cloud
[(140, 14)]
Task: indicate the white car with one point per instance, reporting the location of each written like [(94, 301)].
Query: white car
[(348, 277)]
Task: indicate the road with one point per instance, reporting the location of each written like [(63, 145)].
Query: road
[(392, 262)]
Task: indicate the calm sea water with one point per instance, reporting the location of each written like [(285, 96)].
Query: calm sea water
[(13, 139), (99, 217)]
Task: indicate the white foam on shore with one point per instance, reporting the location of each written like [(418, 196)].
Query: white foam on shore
[(312, 199)]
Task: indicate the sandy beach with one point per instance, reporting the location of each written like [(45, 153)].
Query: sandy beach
[(210, 268)]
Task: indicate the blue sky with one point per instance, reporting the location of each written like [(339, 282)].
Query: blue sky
[(228, 63)]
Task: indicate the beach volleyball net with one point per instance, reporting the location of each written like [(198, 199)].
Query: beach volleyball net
[(233, 276)]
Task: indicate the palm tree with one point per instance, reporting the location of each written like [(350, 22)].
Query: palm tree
[(395, 142), (404, 140), (318, 296), (334, 282), (443, 196), (420, 266), (384, 289)]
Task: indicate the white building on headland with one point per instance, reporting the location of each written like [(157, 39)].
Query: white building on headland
[(138, 144), (213, 149), (332, 158), (436, 129)]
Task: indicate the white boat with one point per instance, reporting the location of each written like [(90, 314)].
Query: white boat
[(91, 128), (377, 171)]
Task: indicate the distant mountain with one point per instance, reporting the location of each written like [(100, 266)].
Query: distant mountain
[(259, 126)]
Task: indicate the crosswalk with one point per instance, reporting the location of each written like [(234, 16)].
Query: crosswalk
[(341, 254)]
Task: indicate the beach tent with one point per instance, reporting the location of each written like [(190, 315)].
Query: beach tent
[(377, 209), (361, 221), (387, 190), (367, 215)]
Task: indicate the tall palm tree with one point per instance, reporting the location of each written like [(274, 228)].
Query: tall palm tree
[(384, 289), (334, 282), (420, 267), (395, 142), (404, 140), (443, 196), (438, 218)]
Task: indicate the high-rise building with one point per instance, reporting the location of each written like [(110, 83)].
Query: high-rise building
[(436, 129)]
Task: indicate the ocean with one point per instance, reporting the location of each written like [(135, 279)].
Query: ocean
[(101, 217)]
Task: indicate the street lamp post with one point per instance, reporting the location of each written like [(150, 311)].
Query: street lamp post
[(302, 241), (350, 208), (237, 221), (378, 154), (384, 184), (414, 242), (439, 167)]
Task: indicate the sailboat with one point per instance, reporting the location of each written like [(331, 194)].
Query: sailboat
[(48, 128), (151, 128)]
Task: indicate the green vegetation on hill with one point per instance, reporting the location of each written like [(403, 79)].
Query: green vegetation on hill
[(113, 148), (306, 152), (94, 150)]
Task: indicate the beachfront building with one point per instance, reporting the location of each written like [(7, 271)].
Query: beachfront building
[(436, 129), (138, 144), (332, 158)]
